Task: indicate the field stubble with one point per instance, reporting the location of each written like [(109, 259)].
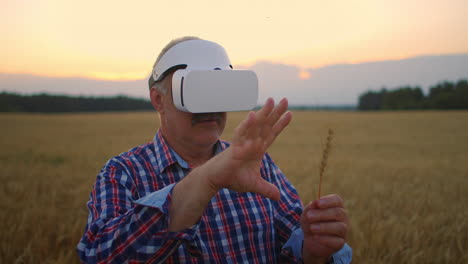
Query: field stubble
[(404, 178)]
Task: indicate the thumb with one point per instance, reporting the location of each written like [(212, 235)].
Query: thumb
[(267, 189), (314, 204)]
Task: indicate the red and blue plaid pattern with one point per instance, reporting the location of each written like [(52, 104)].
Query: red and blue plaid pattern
[(128, 215)]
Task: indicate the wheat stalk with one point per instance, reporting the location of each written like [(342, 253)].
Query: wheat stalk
[(325, 154)]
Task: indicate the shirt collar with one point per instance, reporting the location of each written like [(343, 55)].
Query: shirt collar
[(166, 156)]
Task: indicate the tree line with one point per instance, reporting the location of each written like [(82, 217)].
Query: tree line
[(445, 95), (45, 103)]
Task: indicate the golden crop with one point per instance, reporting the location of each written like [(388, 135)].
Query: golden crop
[(403, 175)]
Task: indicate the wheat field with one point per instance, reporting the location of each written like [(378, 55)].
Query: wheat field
[(403, 175)]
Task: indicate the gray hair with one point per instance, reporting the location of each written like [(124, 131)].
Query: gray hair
[(161, 85)]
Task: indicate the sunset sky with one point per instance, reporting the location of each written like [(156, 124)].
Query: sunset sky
[(119, 40)]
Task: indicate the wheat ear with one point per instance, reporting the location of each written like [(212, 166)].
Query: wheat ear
[(323, 163)]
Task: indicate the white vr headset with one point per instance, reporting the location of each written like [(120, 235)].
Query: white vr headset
[(204, 80)]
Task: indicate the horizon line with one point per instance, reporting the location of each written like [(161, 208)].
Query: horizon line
[(247, 65)]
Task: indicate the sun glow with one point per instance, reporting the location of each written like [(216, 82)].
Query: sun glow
[(304, 75), (120, 40)]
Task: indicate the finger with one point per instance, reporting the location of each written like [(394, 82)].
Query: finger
[(278, 128), (242, 129), (278, 111), (282, 123), (273, 118), (329, 201), (265, 111), (329, 228), (261, 115), (324, 215), (267, 189)]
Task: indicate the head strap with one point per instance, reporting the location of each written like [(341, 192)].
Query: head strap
[(191, 55)]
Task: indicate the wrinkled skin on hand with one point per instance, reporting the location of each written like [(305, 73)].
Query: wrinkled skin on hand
[(252, 137)]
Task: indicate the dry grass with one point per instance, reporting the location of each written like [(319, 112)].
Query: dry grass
[(404, 177)]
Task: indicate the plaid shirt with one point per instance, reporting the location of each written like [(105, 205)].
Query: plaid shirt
[(129, 215)]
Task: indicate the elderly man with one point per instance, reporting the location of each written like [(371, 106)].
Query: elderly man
[(188, 197)]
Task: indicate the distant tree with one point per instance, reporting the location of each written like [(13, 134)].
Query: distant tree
[(404, 98), (461, 94), (10, 103), (60, 103), (445, 95), (371, 100)]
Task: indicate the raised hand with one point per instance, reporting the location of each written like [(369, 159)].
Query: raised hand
[(239, 165)]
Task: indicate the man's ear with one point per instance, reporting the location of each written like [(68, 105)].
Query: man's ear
[(157, 99)]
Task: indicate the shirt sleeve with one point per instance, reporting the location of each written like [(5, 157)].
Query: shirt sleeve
[(294, 245), (122, 228)]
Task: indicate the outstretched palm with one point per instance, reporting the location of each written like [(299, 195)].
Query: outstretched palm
[(240, 164)]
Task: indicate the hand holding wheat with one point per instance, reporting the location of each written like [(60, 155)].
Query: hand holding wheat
[(324, 221)]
